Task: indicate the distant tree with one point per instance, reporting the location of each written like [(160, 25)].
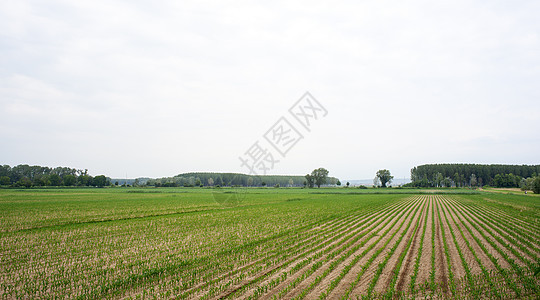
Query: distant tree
[(100, 181), (310, 181), (447, 182), (456, 179), (85, 180), (55, 179), (348, 183), (25, 181), (291, 182), (305, 183), (338, 183), (376, 181), (250, 181), (439, 179), (263, 183), (473, 181), (210, 181), (385, 177), (536, 185), (220, 181), (4, 180), (197, 182), (116, 183), (526, 184), (319, 176), (277, 185), (506, 180), (70, 180), (498, 181)]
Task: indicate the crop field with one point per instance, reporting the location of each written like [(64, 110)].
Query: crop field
[(267, 244)]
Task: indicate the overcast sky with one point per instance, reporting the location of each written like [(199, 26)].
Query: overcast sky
[(157, 88)]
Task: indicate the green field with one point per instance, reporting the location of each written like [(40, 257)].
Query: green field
[(267, 243)]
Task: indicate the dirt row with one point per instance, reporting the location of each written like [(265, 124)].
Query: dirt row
[(245, 285), (428, 233), (309, 235), (323, 285), (329, 276)]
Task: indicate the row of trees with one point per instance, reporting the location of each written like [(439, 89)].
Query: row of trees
[(460, 175), (319, 177), (473, 175), (229, 179), (28, 176)]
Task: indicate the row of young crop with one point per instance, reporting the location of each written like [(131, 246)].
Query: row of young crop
[(343, 251), (409, 233), (294, 245), (497, 281), (311, 275), (323, 239), (304, 269), (309, 255), (48, 262), (358, 252), (477, 231), (519, 275)]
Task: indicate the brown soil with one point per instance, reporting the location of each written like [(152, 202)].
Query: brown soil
[(388, 272), (455, 214), (457, 266), (367, 277), (527, 227), (492, 224), (473, 265), (290, 279), (404, 278), (425, 260), (502, 262), (441, 265), (340, 224), (323, 285)]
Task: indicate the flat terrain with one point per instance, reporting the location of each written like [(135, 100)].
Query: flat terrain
[(267, 243)]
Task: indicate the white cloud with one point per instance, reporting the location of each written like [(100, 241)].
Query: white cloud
[(155, 89)]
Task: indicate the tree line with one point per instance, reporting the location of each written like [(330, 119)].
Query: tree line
[(472, 175), (230, 179), (29, 176), (39, 176)]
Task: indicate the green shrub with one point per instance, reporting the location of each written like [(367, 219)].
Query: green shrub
[(536, 185)]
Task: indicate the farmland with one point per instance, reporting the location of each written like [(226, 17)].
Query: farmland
[(267, 244)]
